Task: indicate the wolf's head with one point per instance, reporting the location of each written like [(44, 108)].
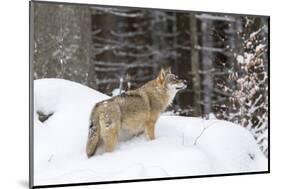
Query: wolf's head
[(170, 81)]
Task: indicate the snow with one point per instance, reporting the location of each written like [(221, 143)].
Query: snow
[(180, 147), (260, 47)]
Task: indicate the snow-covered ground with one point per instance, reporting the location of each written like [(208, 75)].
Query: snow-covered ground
[(180, 147)]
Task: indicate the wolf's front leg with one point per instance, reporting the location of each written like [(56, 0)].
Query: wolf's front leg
[(150, 129)]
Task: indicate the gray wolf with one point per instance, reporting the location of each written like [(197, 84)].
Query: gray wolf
[(132, 112)]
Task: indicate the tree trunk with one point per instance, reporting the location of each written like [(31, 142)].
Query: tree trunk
[(195, 65), (207, 66)]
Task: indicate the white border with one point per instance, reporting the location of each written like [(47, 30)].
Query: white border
[(14, 92)]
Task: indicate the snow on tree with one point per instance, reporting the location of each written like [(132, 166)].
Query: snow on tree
[(248, 94)]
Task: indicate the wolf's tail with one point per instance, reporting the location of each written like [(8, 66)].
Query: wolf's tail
[(94, 134)]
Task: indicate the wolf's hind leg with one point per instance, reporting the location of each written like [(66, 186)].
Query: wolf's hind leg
[(110, 125), (111, 139)]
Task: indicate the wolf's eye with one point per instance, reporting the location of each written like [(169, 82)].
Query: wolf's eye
[(171, 78)]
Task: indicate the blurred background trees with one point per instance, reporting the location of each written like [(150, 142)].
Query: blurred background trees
[(223, 57)]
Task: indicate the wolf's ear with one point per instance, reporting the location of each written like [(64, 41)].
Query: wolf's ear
[(161, 77), (168, 70)]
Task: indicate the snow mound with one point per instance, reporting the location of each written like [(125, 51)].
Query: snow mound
[(180, 147)]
